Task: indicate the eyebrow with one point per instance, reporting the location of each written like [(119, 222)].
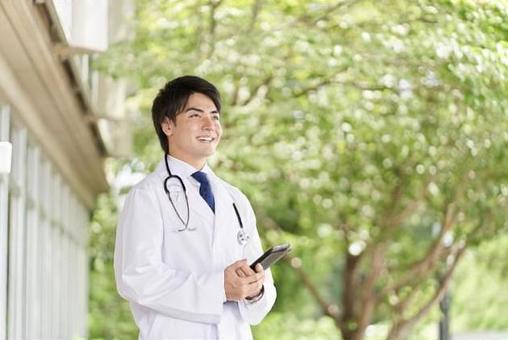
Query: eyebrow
[(199, 110)]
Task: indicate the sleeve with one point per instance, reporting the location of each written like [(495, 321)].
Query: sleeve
[(255, 312), (143, 278)]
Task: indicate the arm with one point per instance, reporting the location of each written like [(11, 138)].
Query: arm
[(143, 278), (254, 312)]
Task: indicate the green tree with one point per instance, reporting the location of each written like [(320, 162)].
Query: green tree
[(479, 285), (371, 134), (109, 315)]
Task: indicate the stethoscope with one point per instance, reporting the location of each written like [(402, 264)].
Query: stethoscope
[(242, 237)]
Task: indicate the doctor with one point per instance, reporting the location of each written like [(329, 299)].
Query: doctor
[(185, 237)]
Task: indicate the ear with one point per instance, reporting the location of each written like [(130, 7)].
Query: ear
[(167, 126)]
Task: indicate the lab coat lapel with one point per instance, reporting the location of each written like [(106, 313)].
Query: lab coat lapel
[(198, 206), (223, 209), (199, 209)]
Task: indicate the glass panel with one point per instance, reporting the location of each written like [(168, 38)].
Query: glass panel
[(33, 302), (4, 211), (43, 237), (16, 285)]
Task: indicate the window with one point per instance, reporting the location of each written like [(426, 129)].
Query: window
[(43, 265), (4, 208)]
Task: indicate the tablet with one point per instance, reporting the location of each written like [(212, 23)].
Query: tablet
[(272, 255)]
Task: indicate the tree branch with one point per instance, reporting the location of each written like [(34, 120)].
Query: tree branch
[(256, 8), (314, 87), (368, 295), (408, 299), (333, 8), (236, 92), (214, 4), (330, 80), (411, 207), (384, 222), (400, 328), (328, 309), (348, 292), (306, 19), (254, 92), (420, 268)]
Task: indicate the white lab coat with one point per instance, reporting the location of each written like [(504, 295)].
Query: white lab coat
[(174, 281)]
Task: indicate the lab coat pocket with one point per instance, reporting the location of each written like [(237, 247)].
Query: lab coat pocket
[(175, 210), (176, 191)]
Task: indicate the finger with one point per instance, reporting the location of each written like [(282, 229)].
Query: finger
[(249, 280), (255, 289), (256, 285), (259, 268), (238, 264), (247, 269), (260, 276), (256, 278), (241, 272)]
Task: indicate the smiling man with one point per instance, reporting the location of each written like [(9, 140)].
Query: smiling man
[(185, 237)]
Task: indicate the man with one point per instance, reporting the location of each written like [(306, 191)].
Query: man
[(185, 238)]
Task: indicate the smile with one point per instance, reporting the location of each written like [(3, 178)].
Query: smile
[(206, 139)]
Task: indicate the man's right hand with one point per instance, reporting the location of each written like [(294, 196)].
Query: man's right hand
[(238, 285)]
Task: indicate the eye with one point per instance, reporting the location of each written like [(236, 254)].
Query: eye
[(216, 117), (192, 115)]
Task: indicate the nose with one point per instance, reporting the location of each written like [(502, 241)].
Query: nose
[(207, 122)]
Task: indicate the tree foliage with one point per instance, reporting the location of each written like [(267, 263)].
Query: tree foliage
[(371, 134)]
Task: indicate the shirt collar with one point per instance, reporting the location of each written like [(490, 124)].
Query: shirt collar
[(181, 168)]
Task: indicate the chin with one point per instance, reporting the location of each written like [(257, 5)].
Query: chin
[(207, 153), (211, 149), (210, 153)]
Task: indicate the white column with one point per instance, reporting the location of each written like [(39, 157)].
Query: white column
[(33, 298), (83, 292), (82, 263), (66, 305), (53, 279), (16, 280), (56, 258), (73, 290), (45, 252), (76, 224), (4, 208), (39, 234)]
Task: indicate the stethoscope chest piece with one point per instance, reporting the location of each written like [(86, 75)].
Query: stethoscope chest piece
[(242, 237)]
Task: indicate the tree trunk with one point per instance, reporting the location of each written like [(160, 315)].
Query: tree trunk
[(356, 334), (349, 323), (398, 332)]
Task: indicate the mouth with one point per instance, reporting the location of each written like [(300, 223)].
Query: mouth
[(206, 139)]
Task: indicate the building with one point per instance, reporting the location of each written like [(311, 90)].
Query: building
[(62, 119)]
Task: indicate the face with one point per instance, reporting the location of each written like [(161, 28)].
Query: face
[(197, 131)]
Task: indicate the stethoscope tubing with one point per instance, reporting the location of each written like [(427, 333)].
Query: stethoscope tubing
[(186, 221)]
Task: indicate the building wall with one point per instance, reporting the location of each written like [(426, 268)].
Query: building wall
[(52, 114), (43, 238)]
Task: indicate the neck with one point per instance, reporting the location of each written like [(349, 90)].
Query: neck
[(197, 164)]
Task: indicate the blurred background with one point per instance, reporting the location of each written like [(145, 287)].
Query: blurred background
[(371, 135)]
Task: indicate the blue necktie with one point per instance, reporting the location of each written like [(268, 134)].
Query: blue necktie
[(204, 189)]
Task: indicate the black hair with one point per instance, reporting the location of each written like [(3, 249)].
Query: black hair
[(173, 97)]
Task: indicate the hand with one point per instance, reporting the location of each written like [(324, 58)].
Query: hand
[(240, 281), (259, 269)]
